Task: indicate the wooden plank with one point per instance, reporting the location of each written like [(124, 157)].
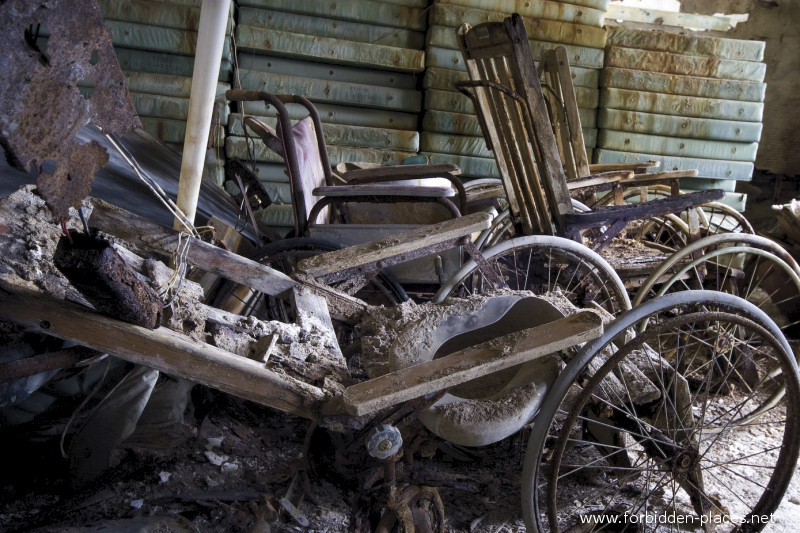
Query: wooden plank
[(539, 29), (162, 349), (150, 236), (668, 18), (338, 114), (542, 9), (675, 146), (368, 11), (444, 37), (454, 144), (347, 135), (715, 168), (675, 126), (45, 362), (685, 106), (686, 43), (401, 243), (685, 65), (471, 363), (329, 50), (334, 92), (322, 27)]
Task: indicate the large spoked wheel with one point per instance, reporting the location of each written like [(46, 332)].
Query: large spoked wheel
[(544, 264), (284, 256), (625, 436), (716, 217), (753, 267)]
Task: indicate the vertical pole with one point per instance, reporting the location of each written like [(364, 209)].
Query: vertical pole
[(210, 41)]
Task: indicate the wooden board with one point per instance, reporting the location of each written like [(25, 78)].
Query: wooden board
[(367, 11), (338, 114), (160, 63), (346, 135), (471, 363), (717, 169), (668, 18), (328, 49), (581, 56), (686, 106), (454, 144), (322, 27), (685, 65), (538, 29), (675, 146), (674, 126), (334, 92), (541, 9), (162, 349), (395, 245), (686, 43), (658, 82)]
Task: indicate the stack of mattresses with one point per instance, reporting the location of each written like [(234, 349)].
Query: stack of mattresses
[(691, 102), (450, 130), (356, 60), (155, 43)]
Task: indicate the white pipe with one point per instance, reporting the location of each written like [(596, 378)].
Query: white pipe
[(210, 41)]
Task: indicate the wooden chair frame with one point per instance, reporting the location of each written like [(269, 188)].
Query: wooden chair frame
[(505, 89)]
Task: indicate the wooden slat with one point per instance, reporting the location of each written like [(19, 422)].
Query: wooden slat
[(145, 234), (162, 349), (474, 362), (401, 243)]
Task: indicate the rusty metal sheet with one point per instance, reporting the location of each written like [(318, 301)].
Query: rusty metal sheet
[(659, 82), (685, 65), (683, 43), (42, 107)]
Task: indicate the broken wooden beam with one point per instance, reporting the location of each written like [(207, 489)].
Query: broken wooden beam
[(385, 252), (45, 362), (162, 349), (147, 235), (464, 365)]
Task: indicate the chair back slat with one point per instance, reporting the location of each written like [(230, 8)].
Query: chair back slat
[(513, 114)]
